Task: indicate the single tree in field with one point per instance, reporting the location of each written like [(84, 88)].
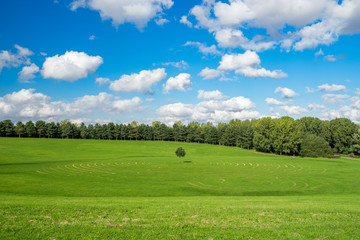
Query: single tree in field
[(180, 152)]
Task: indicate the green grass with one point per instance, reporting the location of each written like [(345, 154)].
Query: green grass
[(89, 189)]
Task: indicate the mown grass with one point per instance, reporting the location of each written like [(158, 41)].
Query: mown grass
[(88, 189)]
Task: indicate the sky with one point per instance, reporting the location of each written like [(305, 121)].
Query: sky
[(169, 60)]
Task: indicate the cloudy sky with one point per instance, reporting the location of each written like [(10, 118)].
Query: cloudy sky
[(168, 60)]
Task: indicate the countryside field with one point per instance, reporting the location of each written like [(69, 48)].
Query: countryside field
[(102, 189)]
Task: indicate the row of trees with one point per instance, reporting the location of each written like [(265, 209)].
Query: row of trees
[(282, 136)]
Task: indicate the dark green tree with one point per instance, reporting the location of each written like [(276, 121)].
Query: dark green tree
[(30, 129), (315, 146), (180, 152), (40, 128), (20, 129)]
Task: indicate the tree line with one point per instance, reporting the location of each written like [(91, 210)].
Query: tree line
[(307, 136)]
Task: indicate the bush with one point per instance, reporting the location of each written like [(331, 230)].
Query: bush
[(315, 146), (180, 152)]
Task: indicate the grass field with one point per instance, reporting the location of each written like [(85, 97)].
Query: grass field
[(89, 189)]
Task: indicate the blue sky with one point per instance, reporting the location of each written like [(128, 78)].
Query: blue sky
[(146, 60)]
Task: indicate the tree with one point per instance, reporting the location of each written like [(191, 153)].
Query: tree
[(40, 128), (20, 128), (30, 129), (262, 135), (180, 152), (9, 128), (342, 131), (315, 146)]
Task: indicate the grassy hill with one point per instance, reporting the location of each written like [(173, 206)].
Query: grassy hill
[(89, 189)]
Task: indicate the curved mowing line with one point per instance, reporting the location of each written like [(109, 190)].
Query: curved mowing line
[(306, 184), (195, 185), (292, 165), (41, 172), (278, 166), (294, 184), (222, 180), (205, 184), (325, 169), (286, 166), (257, 165)]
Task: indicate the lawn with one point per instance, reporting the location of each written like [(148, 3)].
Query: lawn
[(102, 189)]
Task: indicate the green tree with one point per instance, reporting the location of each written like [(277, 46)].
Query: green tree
[(315, 146), (262, 135), (30, 129), (342, 131), (51, 130), (285, 136), (20, 129), (84, 132), (180, 152), (9, 128), (66, 129), (40, 128)]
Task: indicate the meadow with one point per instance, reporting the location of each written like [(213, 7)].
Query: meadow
[(103, 189)]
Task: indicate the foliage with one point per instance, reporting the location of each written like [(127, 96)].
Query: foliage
[(315, 146), (280, 136), (180, 152)]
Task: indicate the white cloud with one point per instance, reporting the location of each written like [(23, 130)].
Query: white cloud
[(235, 38), (314, 107), (185, 21), (314, 22), (334, 98), (149, 99), (27, 73), (331, 88), (310, 90), (208, 73), (26, 104), (161, 21), (319, 53), (333, 58), (351, 111), (272, 101), (181, 64), (357, 91), (138, 82), (43, 54), (286, 92), (213, 110), (138, 12), (92, 37), (71, 66), (293, 110), (101, 81), (9, 59), (180, 82), (247, 64), (203, 48), (216, 95)]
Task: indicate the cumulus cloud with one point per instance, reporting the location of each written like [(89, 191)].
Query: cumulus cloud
[(27, 73), (331, 88), (185, 21), (212, 110), (357, 91), (334, 98), (293, 110), (313, 23), (71, 66), (208, 73), (216, 95), (235, 38), (138, 12), (101, 81), (351, 111), (9, 59), (92, 37), (180, 82), (247, 64), (272, 101), (203, 48), (286, 92), (27, 104), (314, 107), (138, 82)]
